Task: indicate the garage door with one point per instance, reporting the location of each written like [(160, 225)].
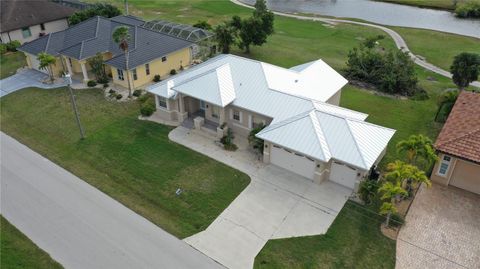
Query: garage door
[(466, 176), (36, 64), (292, 161), (343, 175)]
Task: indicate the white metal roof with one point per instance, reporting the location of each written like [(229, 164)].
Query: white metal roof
[(324, 136)]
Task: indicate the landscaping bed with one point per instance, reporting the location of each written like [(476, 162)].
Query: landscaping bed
[(132, 161), (19, 252)]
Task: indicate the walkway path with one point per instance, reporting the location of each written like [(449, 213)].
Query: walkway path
[(79, 226), (23, 79), (276, 204), (399, 41)]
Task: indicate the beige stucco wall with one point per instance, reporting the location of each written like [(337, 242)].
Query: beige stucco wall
[(57, 68), (335, 99), (50, 27), (435, 177), (461, 173), (247, 117), (174, 61)]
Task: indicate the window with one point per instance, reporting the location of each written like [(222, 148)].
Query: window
[(147, 69), (42, 26), (26, 32), (134, 72), (444, 165), (236, 115), (215, 112), (162, 101), (120, 74), (164, 58)]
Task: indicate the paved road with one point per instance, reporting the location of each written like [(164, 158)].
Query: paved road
[(78, 225), (23, 79), (399, 41)]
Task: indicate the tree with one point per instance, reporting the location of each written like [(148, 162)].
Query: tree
[(465, 69), (98, 68), (46, 63), (121, 36), (203, 25), (406, 175), (224, 34), (445, 105), (417, 146), (391, 193), (100, 9), (266, 16)]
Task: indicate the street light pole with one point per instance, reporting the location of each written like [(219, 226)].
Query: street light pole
[(68, 79)]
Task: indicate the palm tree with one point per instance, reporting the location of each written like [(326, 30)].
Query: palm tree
[(46, 61), (121, 36), (391, 193), (418, 146), (406, 175)]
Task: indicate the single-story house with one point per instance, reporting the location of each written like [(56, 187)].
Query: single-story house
[(150, 52), (306, 131), (25, 20), (458, 145)]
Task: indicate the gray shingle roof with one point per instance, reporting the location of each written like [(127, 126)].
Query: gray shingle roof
[(16, 14), (92, 36)]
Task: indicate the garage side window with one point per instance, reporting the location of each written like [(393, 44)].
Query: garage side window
[(162, 101), (444, 165)]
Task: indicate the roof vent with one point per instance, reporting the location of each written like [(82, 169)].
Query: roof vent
[(296, 80), (240, 84)]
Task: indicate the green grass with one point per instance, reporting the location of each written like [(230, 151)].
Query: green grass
[(19, 252), (133, 161), (353, 241), (438, 4), (10, 62)]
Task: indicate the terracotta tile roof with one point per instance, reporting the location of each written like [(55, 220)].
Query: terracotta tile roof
[(460, 136)]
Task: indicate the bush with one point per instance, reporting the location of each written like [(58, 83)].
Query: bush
[(420, 95), (227, 141), (118, 96), (173, 72), (368, 190), (103, 80), (137, 93), (147, 109), (396, 220), (230, 147), (3, 48), (105, 85), (469, 9), (111, 91), (254, 141), (13, 45), (156, 78), (144, 98), (91, 83)]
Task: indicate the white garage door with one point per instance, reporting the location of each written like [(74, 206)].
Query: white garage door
[(343, 175), (36, 64), (292, 161)]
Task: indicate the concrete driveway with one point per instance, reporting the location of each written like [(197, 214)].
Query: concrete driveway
[(79, 226), (23, 79), (276, 204), (442, 230)]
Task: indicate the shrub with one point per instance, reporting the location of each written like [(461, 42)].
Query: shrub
[(137, 93), (368, 190), (230, 147), (156, 78), (468, 9), (111, 91), (420, 95), (105, 85), (13, 45), (173, 72), (227, 141), (91, 83), (396, 220), (3, 48), (256, 142), (147, 109), (144, 98), (103, 80), (118, 96)]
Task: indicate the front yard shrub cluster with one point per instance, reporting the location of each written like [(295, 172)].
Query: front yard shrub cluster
[(3, 49), (368, 190), (173, 72), (10, 46), (254, 141), (147, 104), (392, 72), (470, 9), (137, 93), (91, 83), (156, 78), (227, 141)]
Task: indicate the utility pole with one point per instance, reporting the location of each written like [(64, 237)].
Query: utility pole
[(126, 7), (68, 79)]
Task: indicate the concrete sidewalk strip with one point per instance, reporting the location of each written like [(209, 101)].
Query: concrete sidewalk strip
[(276, 204), (79, 226)]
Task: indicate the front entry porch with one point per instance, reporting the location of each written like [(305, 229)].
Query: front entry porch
[(202, 116)]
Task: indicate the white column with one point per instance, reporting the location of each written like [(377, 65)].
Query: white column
[(221, 118), (180, 103), (69, 66), (84, 71)]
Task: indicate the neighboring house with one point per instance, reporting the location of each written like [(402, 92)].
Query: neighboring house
[(307, 132), (28, 20), (150, 53), (458, 145)]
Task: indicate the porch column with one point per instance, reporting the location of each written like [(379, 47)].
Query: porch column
[(84, 72), (69, 66), (182, 115), (221, 117)]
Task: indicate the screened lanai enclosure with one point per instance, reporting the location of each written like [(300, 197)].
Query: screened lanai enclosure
[(205, 45)]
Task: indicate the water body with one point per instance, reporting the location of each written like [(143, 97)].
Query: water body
[(380, 13)]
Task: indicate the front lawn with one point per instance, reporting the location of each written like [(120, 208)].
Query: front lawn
[(133, 161), (10, 62), (353, 241), (19, 252)]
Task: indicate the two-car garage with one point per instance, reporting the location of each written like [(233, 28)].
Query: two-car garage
[(305, 166)]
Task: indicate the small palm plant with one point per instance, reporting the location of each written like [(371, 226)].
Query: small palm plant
[(418, 147), (46, 63), (406, 175), (391, 195), (121, 36)]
